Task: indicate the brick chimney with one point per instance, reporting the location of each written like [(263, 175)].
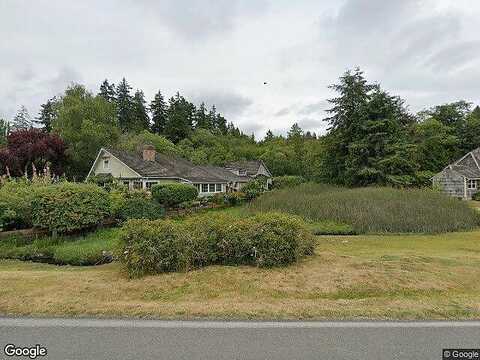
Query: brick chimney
[(149, 153)]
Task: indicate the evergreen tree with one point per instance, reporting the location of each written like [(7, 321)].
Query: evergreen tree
[(221, 124), (268, 136), (212, 118), (22, 119), (180, 118), (107, 91), (202, 121), (367, 141), (125, 106), (159, 111), (47, 114), (139, 111)]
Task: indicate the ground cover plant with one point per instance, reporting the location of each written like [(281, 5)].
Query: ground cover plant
[(264, 240), (406, 277), (92, 249), (373, 209)]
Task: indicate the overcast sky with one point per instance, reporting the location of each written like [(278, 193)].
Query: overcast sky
[(222, 52)]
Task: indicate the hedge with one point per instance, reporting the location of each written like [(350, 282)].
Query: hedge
[(272, 239), (174, 193), (67, 207), (16, 203), (136, 204)]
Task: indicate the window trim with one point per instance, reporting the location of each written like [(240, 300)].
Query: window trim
[(472, 184), (218, 187), (203, 188), (106, 164)]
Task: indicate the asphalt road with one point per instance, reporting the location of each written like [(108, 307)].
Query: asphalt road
[(162, 340)]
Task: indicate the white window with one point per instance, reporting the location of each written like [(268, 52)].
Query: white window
[(106, 164), (204, 188), (197, 186), (137, 185), (127, 184), (211, 188), (472, 184), (149, 184), (218, 187)]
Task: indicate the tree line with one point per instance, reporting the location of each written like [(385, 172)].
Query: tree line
[(372, 138)]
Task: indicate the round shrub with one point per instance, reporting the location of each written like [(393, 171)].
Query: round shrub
[(16, 203), (476, 196), (150, 247), (68, 207), (173, 194), (234, 198), (287, 181), (279, 239), (253, 189), (136, 204)]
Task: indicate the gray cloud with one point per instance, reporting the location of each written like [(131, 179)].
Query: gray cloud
[(221, 51), (226, 101), (198, 19)]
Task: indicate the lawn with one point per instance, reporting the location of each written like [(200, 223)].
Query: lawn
[(350, 277)]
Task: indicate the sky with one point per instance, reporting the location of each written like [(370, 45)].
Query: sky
[(223, 51)]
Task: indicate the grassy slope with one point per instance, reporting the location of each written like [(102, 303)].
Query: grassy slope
[(373, 209), (394, 277)]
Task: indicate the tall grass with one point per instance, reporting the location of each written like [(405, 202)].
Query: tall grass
[(373, 209)]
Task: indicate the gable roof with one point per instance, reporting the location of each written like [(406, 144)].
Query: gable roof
[(171, 166), (250, 166), (468, 165)]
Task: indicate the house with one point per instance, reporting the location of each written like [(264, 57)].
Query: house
[(251, 169), (462, 178), (142, 170)]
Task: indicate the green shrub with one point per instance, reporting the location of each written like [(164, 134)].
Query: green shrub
[(218, 199), (279, 239), (287, 181), (150, 247), (476, 196), (174, 193), (253, 189), (136, 204), (234, 198), (16, 203), (272, 239), (68, 207)]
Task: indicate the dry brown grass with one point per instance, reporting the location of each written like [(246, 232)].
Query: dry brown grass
[(374, 277)]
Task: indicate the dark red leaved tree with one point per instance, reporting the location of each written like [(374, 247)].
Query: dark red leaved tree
[(32, 146)]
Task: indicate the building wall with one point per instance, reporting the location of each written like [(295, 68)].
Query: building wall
[(115, 167), (450, 183), (263, 171)]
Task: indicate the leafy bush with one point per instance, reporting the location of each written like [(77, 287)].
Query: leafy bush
[(253, 189), (476, 196), (136, 204), (16, 203), (106, 181), (174, 193), (373, 209), (287, 181), (234, 198), (68, 207), (218, 199), (150, 247), (266, 240), (93, 249)]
